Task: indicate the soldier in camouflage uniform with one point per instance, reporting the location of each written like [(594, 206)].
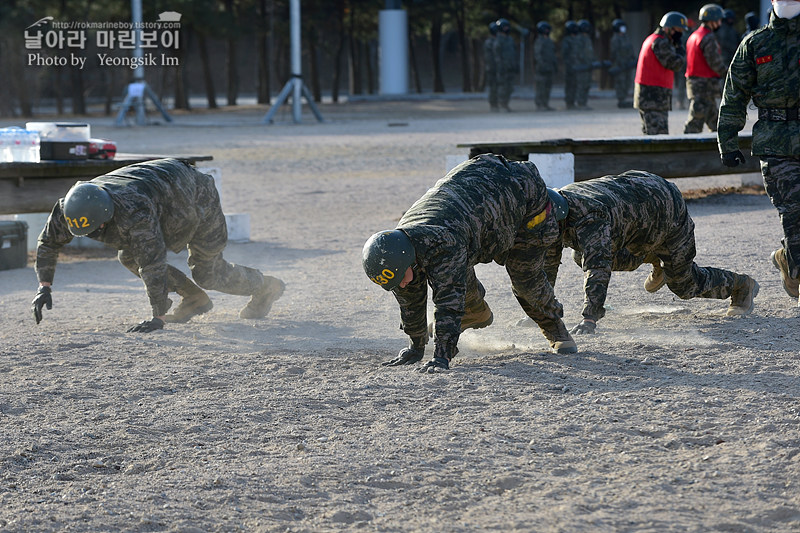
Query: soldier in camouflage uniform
[(490, 66), (704, 67), (585, 65), (661, 55), (570, 49), (143, 210), (766, 69), (507, 63), (623, 61), (546, 65), (486, 209), (617, 223), (728, 36)]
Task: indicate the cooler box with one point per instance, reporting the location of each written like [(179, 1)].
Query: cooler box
[(13, 244), (62, 140)]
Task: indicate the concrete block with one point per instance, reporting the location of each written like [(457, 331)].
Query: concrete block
[(238, 227), (557, 170)]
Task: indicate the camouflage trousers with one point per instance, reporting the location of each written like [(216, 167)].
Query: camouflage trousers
[(654, 122), (209, 269), (491, 89), (677, 252), (703, 108), (544, 85), (782, 183), (583, 81), (570, 89), (505, 86), (623, 82)]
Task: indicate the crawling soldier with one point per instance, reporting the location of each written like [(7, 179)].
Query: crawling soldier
[(486, 209), (143, 210)]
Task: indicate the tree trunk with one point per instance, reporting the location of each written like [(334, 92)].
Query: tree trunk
[(368, 65), (316, 88), (208, 80), (436, 44), (263, 89), (478, 71), (59, 74), (78, 98), (355, 66), (107, 108), (413, 60), (233, 73), (337, 65), (466, 81), (181, 80)]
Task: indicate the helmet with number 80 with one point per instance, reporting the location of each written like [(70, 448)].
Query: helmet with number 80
[(386, 257), (86, 207)]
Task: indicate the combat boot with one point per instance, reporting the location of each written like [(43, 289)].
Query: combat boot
[(192, 304), (262, 300), (745, 290), (560, 340), (477, 317), (790, 285), (656, 279)]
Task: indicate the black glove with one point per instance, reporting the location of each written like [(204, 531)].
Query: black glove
[(42, 298), (409, 356), (733, 159), (437, 364), (584, 327), (146, 326)]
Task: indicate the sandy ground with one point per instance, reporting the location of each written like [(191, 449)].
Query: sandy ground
[(672, 418)]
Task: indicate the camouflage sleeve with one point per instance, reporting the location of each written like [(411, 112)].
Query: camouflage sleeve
[(713, 54), (413, 301), (448, 279), (552, 260), (593, 235), (667, 56), (738, 90), (148, 249), (52, 238)]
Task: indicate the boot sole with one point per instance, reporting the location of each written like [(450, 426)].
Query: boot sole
[(794, 292)]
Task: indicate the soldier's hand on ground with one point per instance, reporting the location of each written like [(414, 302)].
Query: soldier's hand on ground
[(437, 364), (407, 356), (42, 298), (733, 159), (584, 327), (146, 326)]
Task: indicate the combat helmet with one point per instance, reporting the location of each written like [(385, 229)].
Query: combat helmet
[(543, 27), (585, 26), (386, 257), (504, 25), (729, 15), (559, 203), (710, 13), (86, 207), (572, 27), (616, 24), (493, 28), (674, 19)]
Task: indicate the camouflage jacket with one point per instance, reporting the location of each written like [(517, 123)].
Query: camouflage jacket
[(585, 53), (489, 62), (629, 214), (155, 210), (470, 216), (623, 55), (544, 55), (766, 68), (570, 52), (505, 54)]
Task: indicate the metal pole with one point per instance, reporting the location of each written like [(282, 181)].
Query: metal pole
[(297, 67), (136, 18)]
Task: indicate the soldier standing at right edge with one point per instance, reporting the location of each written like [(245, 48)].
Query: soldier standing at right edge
[(661, 55), (506, 63), (490, 66), (546, 65), (704, 68), (766, 68)]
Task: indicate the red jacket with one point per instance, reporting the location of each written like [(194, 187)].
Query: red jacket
[(696, 64), (649, 70)]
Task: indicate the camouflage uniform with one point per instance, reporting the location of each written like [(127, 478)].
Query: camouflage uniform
[(158, 206), (703, 92), (655, 102), (490, 67), (570, 45), (623, 61), (478, 213), (615, 222), (546, 65), (583, 75), (766, 69), (507, 67)]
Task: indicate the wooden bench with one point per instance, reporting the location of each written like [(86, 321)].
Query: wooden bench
[(35, 187), (669, 156)]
